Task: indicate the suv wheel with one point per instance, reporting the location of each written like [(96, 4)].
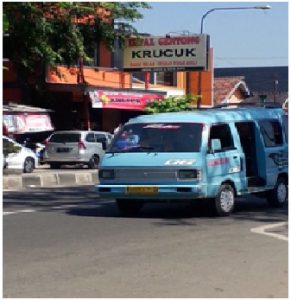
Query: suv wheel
[(28, 165), (93, 162)]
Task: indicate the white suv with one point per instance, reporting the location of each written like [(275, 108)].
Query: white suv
[(76, 147)]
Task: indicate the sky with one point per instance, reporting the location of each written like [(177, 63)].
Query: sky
[(239, 38)]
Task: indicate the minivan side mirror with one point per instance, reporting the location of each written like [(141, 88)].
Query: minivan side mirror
[(215, 145)]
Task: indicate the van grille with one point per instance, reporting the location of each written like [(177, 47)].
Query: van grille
[(145, 175)]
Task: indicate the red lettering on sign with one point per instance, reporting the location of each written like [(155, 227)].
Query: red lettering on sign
[(149, 42), (218, 161)]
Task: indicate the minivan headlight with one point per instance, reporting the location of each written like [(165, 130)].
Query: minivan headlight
[(107, 174), (189, 174)]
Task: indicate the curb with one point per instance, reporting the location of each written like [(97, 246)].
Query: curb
[(14, 182)]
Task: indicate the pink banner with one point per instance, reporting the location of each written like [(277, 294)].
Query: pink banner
[(121, 100), (27, 122)]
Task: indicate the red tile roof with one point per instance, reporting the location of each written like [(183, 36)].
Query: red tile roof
[(225, 87)]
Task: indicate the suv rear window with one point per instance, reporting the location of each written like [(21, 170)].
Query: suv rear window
[(65, 138)]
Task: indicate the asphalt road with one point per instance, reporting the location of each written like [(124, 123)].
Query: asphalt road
[(65, 242)]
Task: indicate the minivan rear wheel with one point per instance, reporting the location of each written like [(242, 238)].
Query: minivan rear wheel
[(279, 195), (93, 162)]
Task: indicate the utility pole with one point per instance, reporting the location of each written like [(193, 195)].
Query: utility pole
[(276, 82), (82, 82)]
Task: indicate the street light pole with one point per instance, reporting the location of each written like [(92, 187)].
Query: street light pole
[(262, 7)]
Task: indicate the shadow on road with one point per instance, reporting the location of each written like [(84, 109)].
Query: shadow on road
[(83, 202)]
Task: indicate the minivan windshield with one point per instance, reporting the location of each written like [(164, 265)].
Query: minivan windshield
[(158, 137)]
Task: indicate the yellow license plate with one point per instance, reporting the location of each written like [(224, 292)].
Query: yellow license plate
[(141, 189)]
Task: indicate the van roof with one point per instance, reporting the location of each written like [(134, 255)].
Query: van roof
[(210, 115)]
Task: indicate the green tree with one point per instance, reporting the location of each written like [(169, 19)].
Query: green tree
[(10, 148), (46, 33), (172, 104)]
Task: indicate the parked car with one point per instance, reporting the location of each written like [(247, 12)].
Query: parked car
[(18, 157), (76, 147)]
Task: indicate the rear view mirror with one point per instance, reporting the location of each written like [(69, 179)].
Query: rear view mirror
[(215, 145)]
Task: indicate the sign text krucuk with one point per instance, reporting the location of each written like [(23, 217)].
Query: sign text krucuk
[(166, 53)]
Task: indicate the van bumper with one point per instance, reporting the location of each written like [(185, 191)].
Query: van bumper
[(162, 192)]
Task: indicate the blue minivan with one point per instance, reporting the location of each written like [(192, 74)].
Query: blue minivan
[(209, 154)]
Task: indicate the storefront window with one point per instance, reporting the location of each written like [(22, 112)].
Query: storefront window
[(166, 78)]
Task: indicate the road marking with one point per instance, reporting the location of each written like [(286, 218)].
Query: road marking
[(263, 230), (5, 213), (65, 206)]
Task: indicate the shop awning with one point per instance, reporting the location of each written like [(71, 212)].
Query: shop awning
[(121, 100), (26, 119)]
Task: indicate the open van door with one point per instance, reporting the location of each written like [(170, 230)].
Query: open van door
[(224, 160), (253, 152)]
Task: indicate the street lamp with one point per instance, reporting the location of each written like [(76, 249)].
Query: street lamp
[(262, 7)]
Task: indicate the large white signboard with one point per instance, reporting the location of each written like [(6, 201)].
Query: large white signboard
[(166, 53)]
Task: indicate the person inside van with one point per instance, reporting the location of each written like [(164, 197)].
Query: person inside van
[(123, 141)]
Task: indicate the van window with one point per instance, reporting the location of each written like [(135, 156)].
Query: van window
[(99, 136), (158, 137), (223, 133), (272, 133), (90, 138), (285, 126)]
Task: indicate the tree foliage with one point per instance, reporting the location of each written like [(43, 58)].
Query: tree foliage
[(51, 33), (172, 104), (10, 148)]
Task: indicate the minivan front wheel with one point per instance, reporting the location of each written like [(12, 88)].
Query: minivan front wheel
[(224, 200), (93, 162), (279, 195)]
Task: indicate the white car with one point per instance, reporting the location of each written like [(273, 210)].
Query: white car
[(76, 147), (21, 158)]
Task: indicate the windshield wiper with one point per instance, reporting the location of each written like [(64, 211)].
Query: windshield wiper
[(149, 148), (145, 147), (131, 149)]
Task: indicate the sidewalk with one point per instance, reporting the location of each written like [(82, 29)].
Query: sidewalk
[(45, 177)]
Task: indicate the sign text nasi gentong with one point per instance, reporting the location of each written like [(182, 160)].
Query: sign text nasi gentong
[(166, 53)]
